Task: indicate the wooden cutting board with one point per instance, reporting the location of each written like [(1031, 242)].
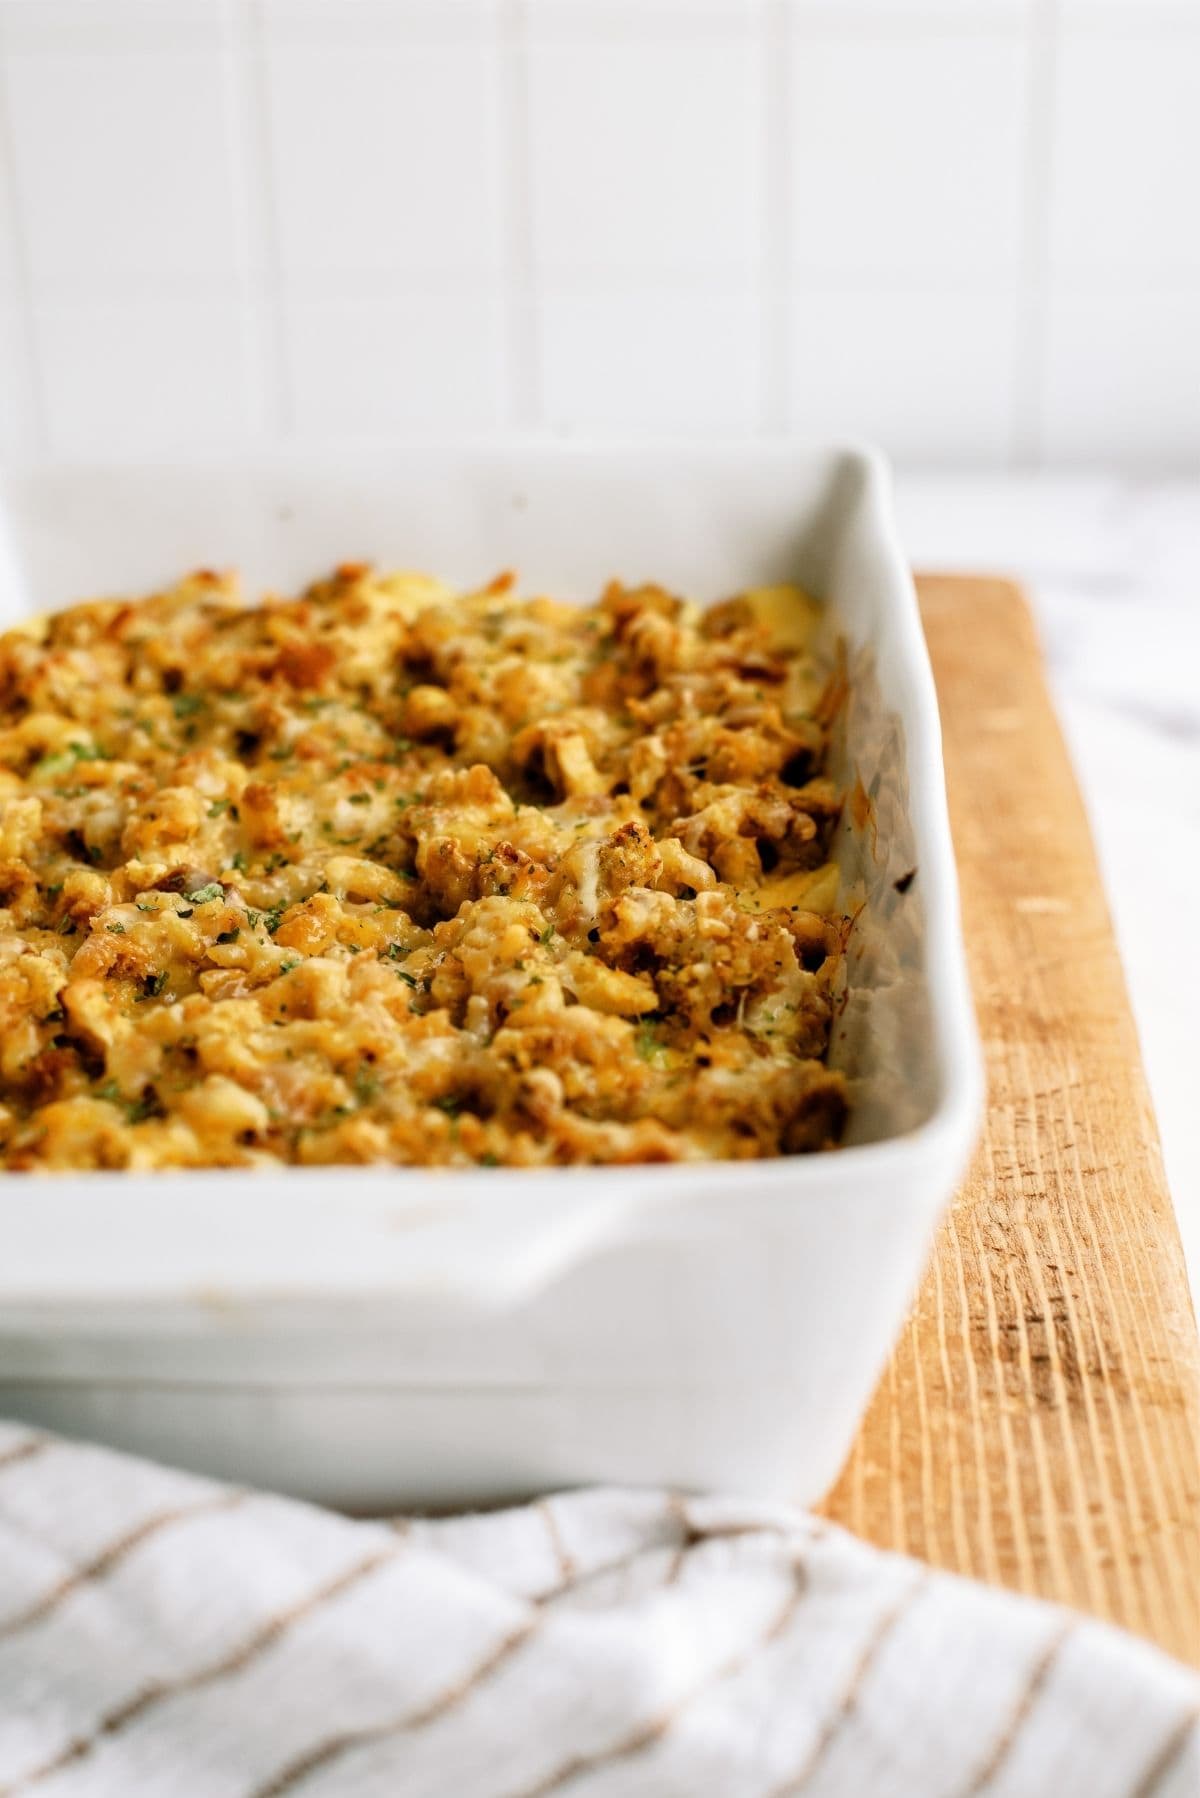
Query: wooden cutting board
[(1039, 1423)]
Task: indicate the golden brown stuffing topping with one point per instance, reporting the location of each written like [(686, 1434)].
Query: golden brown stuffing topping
[(391, 873)]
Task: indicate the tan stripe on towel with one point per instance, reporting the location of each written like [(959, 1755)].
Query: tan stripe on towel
[(568, 1571), (1005, 1742), (24, 1450), (688, 1537), (103, 1564), (234, 1661), (850, 1694), (645, 1735), (1168, 1755), (582, 1577), (333, 1747)]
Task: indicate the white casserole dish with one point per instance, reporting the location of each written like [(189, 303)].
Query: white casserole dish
[(385, 1337)]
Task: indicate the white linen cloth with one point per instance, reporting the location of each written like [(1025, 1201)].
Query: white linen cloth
[(164, 1634)]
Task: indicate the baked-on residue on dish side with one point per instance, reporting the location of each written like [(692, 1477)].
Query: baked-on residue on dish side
[(393, 873)]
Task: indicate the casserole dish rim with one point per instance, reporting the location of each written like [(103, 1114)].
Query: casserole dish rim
[(369, 1236)]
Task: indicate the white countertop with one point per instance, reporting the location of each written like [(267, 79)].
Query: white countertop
[(1113, 569)]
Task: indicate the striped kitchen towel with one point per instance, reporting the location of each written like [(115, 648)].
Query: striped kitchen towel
[(163, 1634)]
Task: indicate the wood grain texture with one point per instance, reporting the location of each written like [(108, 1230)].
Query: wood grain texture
[(1039, 1423)]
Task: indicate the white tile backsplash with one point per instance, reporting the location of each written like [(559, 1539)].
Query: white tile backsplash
[(645, 156), (385, 159), (907, 155), (1123, 381), (1125, 188), (122, 168), (124, 378), (908, 16), (17, 401), (1142, 16), (594, 20), (343, 22), (74, 25), (650, 360), (928, 372), (10, 258), (968, 230), (406, 366)]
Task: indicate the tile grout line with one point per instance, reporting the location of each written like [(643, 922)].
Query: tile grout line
[(776, 259), (258, 228), (522, 399), (1028, 447), (35, 419)]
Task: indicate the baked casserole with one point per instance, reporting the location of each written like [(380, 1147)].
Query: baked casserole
[(391, 873)]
